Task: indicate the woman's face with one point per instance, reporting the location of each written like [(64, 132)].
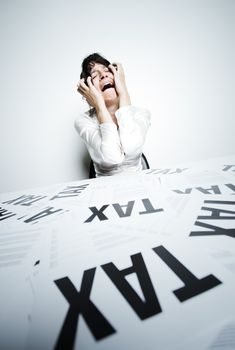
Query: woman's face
[(103, 80)]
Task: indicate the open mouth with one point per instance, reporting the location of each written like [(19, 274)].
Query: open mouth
[(107, 86)]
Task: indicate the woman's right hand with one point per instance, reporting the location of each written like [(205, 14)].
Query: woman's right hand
[(90, 93)]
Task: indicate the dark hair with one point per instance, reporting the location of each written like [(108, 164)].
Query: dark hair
[(89, 62)]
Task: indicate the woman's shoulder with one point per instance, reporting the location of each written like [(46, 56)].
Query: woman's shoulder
[(85, 119)]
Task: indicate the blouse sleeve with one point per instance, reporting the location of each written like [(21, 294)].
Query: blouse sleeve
[(133, 126), (102, 140)]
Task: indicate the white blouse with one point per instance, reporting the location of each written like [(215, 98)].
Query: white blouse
[(115, 149)]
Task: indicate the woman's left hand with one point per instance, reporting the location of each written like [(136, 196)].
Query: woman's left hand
[(119, 77), (120, 83)]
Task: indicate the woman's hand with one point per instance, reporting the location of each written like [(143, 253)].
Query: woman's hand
[(90, 93), (95, 99), (120, 84)]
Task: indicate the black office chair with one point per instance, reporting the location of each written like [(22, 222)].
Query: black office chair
[(144, 162), (91, 170)]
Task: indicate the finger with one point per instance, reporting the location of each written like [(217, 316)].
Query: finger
[(117, 64), (78, 85), (83, 88), (81, 91), (83, 85), (119, 67), (88, 79), (90, 84), (113, 68)]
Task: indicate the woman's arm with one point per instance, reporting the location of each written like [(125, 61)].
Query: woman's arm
[(133, 126), (133, 121), (102, 140)]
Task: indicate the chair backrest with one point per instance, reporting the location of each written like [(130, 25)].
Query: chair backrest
[(144, 162), (92, 170)]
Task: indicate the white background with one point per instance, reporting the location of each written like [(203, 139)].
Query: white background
[(179, 61)]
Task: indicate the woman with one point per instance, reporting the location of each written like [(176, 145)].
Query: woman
[(114, 131)]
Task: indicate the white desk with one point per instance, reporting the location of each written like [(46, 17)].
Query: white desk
[(142, 261)]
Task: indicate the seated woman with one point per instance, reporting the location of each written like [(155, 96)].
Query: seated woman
[(113, 130)]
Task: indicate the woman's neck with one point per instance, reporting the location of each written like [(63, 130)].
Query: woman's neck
[(112, 107)]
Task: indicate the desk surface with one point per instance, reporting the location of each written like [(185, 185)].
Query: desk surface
[(141, 261)]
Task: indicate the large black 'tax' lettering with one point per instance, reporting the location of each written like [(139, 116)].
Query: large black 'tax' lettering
[(5, 214), (42, 214), (99, 213), (144, 309), (215, 215), (25, 200), (192, 285), (80, 304), (70, 191)]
